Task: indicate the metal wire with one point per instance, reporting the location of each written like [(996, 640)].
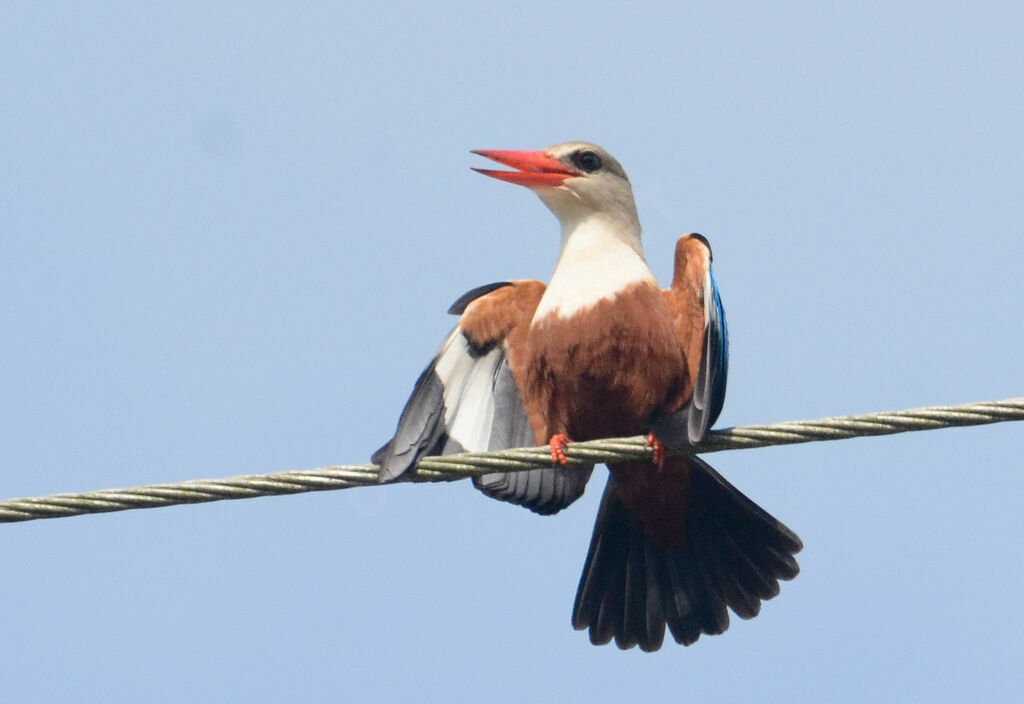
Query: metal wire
[(453, 467)]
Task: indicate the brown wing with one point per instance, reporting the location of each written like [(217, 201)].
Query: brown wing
[(699, 321), (685, 299), (468, 399)]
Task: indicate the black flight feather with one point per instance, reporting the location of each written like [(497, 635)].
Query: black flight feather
[(732, 556)]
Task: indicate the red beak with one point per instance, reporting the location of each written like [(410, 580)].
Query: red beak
[(535, 168)]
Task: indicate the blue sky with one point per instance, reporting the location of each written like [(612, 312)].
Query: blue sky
[(228, 237)]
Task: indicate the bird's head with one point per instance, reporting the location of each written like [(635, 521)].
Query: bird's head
[(576, 180)]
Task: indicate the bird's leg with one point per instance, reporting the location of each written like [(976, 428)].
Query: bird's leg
[(558, 443), (657, 449)]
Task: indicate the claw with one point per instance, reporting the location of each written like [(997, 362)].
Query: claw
[(558, 443), (657, 450)]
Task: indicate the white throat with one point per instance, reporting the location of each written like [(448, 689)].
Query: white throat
[(600, 257)]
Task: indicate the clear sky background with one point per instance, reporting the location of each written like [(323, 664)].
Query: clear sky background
[(227, 241)]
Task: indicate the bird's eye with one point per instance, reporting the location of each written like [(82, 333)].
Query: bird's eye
[(587, 161)]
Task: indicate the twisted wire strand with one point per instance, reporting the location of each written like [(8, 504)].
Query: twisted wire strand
[(461, 466)]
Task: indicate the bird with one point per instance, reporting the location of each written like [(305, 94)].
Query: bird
[(601, 351)]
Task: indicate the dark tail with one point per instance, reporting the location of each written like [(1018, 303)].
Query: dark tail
[(726, 552)]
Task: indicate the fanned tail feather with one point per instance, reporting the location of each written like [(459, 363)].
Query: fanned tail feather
[(732, 556)]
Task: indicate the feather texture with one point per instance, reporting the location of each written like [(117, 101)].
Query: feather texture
[(709, 387), (701, 329), (468, 399), (727, 553)]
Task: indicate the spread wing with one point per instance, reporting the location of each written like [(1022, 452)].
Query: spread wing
[(467, 399), (700, 325)]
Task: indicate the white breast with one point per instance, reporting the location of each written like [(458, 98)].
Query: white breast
[(596, 263)]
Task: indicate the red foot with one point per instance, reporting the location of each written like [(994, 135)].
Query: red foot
[(558, 443), (657, 449)]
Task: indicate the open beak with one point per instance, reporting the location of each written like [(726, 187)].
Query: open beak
[(535, 168)]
